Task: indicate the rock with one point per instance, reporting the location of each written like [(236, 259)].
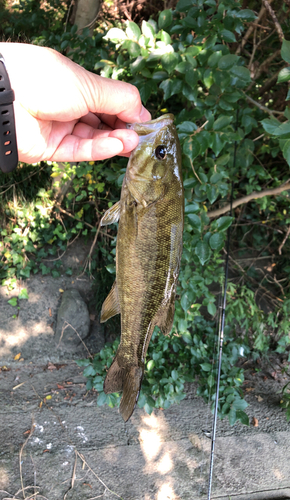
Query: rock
[(73, 319)]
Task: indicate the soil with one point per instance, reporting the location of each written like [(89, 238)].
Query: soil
[(56, 443)]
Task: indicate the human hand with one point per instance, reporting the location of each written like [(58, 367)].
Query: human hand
[(65, 113)]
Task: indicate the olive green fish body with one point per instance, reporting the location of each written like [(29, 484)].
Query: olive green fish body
[(149, 247)]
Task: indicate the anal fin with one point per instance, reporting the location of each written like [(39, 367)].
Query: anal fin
[(112, 215), (111, 305)]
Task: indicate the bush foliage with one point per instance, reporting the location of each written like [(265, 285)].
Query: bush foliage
[(209, 63)]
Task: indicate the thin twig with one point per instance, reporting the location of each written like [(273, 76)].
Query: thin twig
[(245, 199), (274, 17), (263, 108), (284, 241), (20, 455), (62, 332), (250, 30)]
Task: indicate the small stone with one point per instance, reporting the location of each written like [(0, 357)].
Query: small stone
[(73, 319)]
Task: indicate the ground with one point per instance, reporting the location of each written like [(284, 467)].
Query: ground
[(56, 443)]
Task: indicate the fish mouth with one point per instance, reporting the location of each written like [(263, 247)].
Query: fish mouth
[(152, 125)]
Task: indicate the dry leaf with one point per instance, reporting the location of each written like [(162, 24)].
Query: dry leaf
[(48, 397), (49, 310), (248, 389), (59, 386), (17, 356), (87, 484), (50, 366), (92, 317), (61, 290), (27, 432), (259, 399), (40, 404), (255, 422)]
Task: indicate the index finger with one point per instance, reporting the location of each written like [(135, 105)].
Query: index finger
[(113, 97)]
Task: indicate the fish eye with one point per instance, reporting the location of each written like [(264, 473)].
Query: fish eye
[(161, 152)]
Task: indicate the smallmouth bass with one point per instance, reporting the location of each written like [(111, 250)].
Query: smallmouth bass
[(148, 253)]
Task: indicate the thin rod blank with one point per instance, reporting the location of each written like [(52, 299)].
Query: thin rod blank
[(221, 337)]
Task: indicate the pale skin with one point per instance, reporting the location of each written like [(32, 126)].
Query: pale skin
[(65, 113)]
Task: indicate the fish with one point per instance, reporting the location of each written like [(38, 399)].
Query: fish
[(148, 253)]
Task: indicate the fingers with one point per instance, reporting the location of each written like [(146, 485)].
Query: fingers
[(87, 144), (114, 98)]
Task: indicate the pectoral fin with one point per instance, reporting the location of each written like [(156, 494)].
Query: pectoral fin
[(111, 305), (112, 215)]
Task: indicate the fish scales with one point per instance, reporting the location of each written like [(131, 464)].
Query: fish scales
[(148, 254)]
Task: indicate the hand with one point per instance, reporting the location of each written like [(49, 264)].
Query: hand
[(65, 113)]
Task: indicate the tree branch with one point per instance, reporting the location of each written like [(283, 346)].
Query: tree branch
[(263, 108), (245, 199), (251, 29), (276, 22)]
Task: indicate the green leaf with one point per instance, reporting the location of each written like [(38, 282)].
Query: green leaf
[(166, 87), (194, 221), (138, 64), (184, 5), (206, 367), (169, 61), (211, 308), (191, 147), (216, 241), (148, 30), (192, 208), (211, 193), (189, 183), (284, 75), (270, 125), (228, 61), (145, 92), (102, 399), (115, 34), (224, 222), (165, 37), (174, 375), (285, 51), (202, 250), (83, 362), (214, 59), (246, 14), (191, 77), (187, 127), (89, 371), (228, 36), (222, 122), (232, 416), (133, 30), (242, 417), (23, 294), (164, 19), (133, 48), (187, 337), (242, 73), (286, 151), (239, 404), (13, 301)]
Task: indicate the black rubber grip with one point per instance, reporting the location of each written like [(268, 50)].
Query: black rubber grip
[(8, 143)]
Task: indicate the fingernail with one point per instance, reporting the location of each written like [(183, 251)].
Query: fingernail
[(145, 116)]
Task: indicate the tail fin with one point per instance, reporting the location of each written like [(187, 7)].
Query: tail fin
[(128, 380)]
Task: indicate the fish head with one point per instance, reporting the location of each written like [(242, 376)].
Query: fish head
[(156, 162)]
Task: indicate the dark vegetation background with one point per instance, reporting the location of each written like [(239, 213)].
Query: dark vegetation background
[(222, 67)]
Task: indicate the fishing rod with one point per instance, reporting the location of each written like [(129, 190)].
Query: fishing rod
[(221, 332)]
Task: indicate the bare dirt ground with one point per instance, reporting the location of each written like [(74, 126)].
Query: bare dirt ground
[(56, 443)]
